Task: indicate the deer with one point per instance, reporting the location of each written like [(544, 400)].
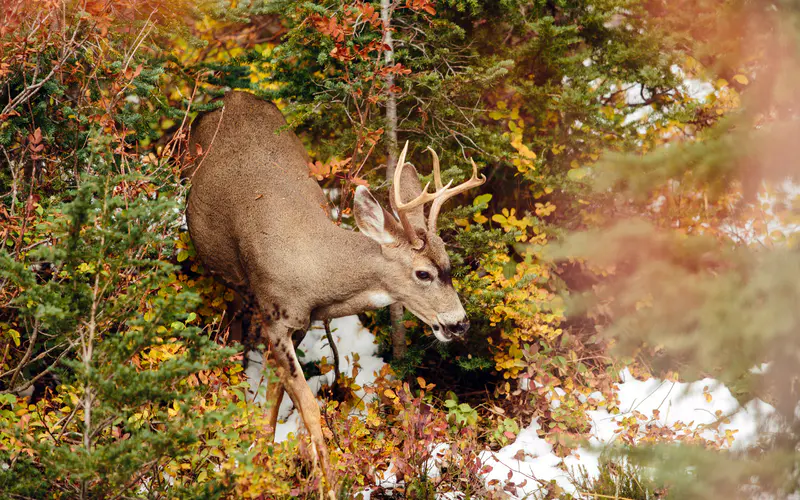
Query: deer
[(260, 225)]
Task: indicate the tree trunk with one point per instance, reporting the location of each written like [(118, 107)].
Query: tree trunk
[(396, 310)]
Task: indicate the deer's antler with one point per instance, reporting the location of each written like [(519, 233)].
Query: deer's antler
[(446, 191), (424, 197), (438, 197)]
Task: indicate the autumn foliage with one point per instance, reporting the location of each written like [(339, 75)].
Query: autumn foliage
[(621, 225)]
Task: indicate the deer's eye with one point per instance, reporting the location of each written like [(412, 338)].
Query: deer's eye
[(424, 275)]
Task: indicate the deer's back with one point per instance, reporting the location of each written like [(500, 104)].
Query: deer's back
[(251, 196)]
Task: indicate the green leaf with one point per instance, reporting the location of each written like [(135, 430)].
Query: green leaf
[(14, 334), (577, 174), (482, 200), (8, 399)]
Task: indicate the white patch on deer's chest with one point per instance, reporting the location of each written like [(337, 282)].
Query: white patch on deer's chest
[(380, 299)]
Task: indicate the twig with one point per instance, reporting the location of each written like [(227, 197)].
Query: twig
[(137, 478), (598, 495), (33, 89), (34, 360), (40, 375), (336, 374), (27, 355)]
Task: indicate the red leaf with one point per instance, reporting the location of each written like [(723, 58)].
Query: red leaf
[(424, 5), (36, 136), (319, 170), (359, 181)]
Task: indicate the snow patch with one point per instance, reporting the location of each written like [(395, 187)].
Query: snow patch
[(531, 461), (352, 340)]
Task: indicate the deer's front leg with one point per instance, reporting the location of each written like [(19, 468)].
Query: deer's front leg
[(291, 376)]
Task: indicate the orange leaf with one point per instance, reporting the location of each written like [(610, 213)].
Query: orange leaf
[(36, 136), (359, 181)]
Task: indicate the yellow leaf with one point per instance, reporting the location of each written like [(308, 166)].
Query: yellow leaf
[(14, 334), (523, 150), (389, 393), (741, 79)]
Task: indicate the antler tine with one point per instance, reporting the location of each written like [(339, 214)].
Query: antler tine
[(425, 196), (403, 207), (437, 174), (473, 181)]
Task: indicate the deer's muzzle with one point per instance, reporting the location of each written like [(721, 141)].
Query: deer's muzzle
[(447, 332)]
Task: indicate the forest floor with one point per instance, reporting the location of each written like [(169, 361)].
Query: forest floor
[(529, 462)]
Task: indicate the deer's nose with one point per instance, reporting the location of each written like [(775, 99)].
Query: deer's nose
[(459, 329)]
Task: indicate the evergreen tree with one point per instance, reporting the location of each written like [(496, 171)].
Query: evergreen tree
[(697, 244), (103, 360), (533, 91)]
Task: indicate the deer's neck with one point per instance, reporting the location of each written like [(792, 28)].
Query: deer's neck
[(359, 269)]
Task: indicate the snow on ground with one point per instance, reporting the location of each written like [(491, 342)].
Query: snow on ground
[(350, 338), (529, 458), (675, 401)]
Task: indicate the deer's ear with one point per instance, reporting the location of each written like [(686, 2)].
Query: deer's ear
[(410, 188), (372, 220)]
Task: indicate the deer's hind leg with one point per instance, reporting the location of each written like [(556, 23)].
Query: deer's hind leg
[(293, 381), (275, 391)]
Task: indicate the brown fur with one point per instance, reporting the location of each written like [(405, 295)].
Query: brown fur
[(259, 223)]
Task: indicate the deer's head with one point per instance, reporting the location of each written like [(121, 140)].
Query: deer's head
[(418, 274)]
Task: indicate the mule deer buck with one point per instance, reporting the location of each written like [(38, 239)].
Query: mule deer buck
[(259, 224)]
